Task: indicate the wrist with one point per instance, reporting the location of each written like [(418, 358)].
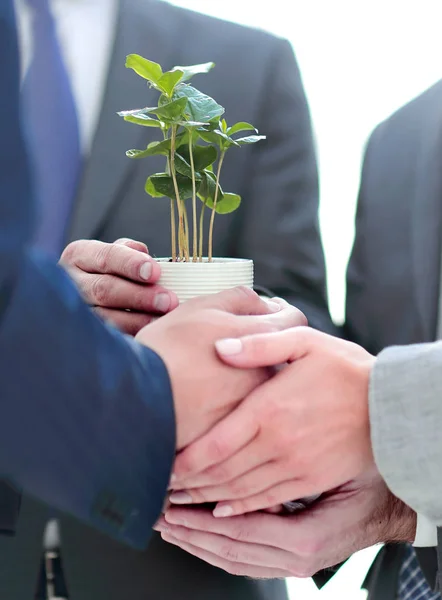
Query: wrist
[(401, 523)]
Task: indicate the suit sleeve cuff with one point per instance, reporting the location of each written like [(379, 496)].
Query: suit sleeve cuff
[(426, 533), (406, 421)]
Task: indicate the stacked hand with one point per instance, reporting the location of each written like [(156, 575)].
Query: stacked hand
[(121, 276), (251, 439), (259, 545), (303, 432)]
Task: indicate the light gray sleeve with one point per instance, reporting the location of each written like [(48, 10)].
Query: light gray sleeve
[(406, 424)]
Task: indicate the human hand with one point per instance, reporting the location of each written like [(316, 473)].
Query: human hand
[(204, 388), (303, 432), (119, 281), (259, 545)]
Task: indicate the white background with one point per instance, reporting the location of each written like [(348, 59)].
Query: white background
[(360, 60)]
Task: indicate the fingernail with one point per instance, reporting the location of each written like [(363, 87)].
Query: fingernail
[(229, 347), (146, 271), (161, 302), (274, 306), (223, 511), (180, 498)]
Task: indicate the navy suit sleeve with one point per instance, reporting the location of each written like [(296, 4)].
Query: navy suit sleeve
[(86, 415)]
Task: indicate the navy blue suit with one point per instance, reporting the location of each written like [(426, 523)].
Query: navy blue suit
[(86, 415)]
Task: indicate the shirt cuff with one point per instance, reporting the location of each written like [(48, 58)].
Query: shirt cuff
[(426, 532)]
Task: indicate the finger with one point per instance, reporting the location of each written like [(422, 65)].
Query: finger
[(231, 550), (109, 291), (277, 494), (139, 246), (288, 317), (270, 348), (126, 321), (249, 457), (258, 528), (230, 435), (228, 566), (264, 477), (93, 256), (238, 301)]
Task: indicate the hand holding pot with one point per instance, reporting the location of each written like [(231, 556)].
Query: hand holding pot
[(119, 280)]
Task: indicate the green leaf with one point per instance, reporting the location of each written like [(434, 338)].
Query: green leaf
[(215, 137), (144, 68), (161, 185), (144, 120), (192, 70), (171, 111), (137, 112), (169, 80), (228, 204), (158, 148), (242, 126), (200, 107), (206, 191), (252, 139), (223, 126), (137, 153), (189, 123), (182, 166), (203, 156)]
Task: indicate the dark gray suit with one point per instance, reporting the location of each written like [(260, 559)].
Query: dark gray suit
[(256, 78), (394, 272)]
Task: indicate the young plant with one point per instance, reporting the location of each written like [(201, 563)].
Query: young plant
[(194, 142)]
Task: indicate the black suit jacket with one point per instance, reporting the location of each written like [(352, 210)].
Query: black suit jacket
[(393, 277), (257, 79)]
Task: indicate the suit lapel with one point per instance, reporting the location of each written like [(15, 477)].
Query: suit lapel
[(426, 225), (107, 167)]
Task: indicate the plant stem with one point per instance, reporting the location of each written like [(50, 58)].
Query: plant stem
[(192, 166), (186, 229), (200, 254), (172, 211), (173, 229), (183, 252), (212, 216)]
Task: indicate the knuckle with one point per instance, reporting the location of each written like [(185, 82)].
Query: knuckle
[(218, 474), (246, 292), (69, 253), (104, 257), (228, 552), (198, 496), (100, 291), (302, 570), (140, 301), (216, 450), (233, 569), (240, 533), (238, 488), (186, 462), (271, 499), (124, 242), (309, 549), (130, 243)]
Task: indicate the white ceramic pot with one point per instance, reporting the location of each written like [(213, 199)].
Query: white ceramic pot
[(189, 279)]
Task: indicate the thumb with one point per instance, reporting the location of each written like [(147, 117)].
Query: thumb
[(268, 349)]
